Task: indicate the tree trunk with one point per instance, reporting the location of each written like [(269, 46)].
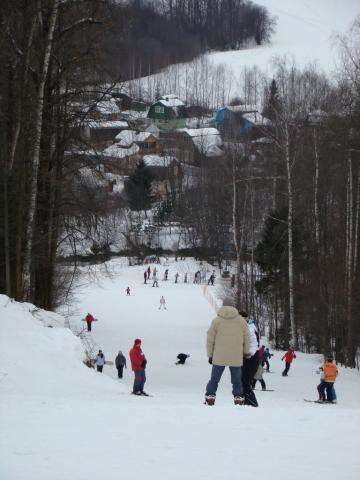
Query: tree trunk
[(30, 234)]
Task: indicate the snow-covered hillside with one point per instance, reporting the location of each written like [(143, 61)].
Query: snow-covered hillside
[(306, 32), (60, 419)]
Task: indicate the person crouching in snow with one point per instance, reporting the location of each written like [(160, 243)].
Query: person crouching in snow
[(127, 291), (259, 376), (120, 363), (138, 365), (330, 372), (162, 303), (182, 358), (228, 342), (100, 361)]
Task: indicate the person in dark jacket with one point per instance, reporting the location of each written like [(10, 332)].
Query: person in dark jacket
[(120, 363), (138, 365), (182, 358)]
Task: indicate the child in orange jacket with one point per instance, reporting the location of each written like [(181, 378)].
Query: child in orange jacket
[(330, 372)]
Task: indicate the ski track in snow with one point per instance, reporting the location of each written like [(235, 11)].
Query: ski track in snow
[(61, 420)]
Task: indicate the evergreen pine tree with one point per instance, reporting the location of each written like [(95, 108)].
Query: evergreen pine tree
[(138, 188), (272, 104)]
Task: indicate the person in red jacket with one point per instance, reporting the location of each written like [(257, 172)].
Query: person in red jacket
[(138, 365), (289, 357), (89, 319)]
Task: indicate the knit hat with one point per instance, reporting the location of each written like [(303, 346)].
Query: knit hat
[(228, 302), (137, 341)]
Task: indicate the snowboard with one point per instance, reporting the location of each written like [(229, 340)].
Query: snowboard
[(146, 395)]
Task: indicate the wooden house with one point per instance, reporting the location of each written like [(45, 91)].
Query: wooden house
[(168, 107)]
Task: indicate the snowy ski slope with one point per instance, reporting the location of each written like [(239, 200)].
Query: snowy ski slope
[(60, 419)]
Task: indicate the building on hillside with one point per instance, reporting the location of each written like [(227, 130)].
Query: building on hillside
[(106, 109), (194, 144), (167, 108), (102, 131), (240, 120)]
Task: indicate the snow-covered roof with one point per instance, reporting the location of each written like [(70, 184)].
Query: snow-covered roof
[(171, 101), (157, 160), (256, 118), (207, 140), (142, 136), (242, 108), (116, 150), (154, 130), (126, 138), (108, 124), (106, 107)]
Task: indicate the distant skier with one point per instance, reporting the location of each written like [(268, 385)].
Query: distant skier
[(211, 279), (162, 303), (228, 342), (166, 274), (120, 363), (148, 272), (100, 361), (89, 319), (138, 365), (182, 358), (176, 277), (128, 291), (330, 372), (154, 273), (267, 355), (186, 278), (289, 357), (259, 377), (145, 276), (155, 281)]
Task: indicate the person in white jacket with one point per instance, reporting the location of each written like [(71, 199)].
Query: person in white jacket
[(162, 303), (100, 361)]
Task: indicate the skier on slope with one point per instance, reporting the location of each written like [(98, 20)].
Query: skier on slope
[(288, 357), (145, 276), (266, 357), (162, 303), (89, 319), (138, 365), (176, 277), (166, 274), (155, 281), (120, 363), (148, 272), (100, 361), (330, 373), (251, 364), (127, 291), (228, 342), (259, 377)]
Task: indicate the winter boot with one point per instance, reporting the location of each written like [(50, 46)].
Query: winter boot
[(239, 400), (210, 399)]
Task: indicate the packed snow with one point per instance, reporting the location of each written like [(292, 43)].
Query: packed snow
[(61, 419)]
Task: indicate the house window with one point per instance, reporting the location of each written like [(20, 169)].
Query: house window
[(159, 109)]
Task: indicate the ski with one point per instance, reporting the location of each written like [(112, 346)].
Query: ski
[(261, 390), (318, 401), (142, 395)]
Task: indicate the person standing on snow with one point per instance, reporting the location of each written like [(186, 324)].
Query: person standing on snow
[(145, 276), (176, 277), (120, 363), (330, 373), (154, 273), (100, 361), (155, 281), (127, 291), (162, 303), (228, 342), (251, 364), (259, 377), (185, 278), (289, 357), (138, 365), (166, 273), (89, 319), (148, 272), (266, 357)]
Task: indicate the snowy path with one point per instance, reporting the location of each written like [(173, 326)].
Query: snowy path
[(62, 420)]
